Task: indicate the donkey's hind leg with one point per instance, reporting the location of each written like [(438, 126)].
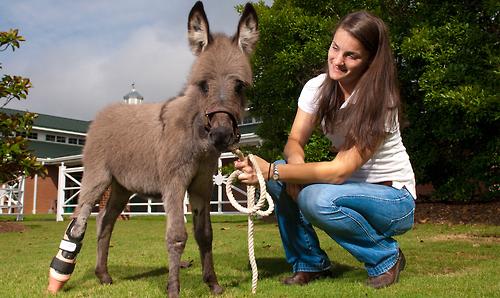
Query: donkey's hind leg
[(94, 183), (105, 223)]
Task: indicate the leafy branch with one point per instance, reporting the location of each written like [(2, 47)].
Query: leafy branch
[(16, 159)]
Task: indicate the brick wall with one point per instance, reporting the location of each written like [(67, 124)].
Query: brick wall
[(46, 192)]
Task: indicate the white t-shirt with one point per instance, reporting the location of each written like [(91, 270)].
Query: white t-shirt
[(389, 163)]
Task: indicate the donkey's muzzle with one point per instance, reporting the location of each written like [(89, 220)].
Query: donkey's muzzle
[(222, 129), (221, 137)]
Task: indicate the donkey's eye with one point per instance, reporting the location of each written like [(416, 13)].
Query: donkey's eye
[(239, 87), (203, 85)]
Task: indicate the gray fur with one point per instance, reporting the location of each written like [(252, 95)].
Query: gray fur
[(165, 149)]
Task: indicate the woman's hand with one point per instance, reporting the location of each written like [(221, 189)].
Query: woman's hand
[(249, 175)]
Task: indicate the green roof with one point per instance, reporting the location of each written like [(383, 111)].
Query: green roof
[(53, 150), (54, 122), (48, 149)]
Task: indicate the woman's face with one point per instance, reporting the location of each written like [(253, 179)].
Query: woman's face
[(347, 59)]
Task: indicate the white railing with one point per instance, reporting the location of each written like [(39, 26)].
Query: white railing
[(12, 198), (70, 181)]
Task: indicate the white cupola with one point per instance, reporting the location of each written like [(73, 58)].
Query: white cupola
[(133, 97)]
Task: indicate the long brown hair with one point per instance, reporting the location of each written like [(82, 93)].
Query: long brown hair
[(376, 98)]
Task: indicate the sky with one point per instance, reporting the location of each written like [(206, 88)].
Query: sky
[(82, 55)]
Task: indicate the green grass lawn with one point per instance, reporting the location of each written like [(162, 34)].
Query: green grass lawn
[(442, 261)]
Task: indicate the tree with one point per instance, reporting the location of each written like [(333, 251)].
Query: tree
[(291, 50), (449, 66), (448, 56), (16, 159)]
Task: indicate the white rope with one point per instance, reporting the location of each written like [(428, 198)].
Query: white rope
[(252, 209)]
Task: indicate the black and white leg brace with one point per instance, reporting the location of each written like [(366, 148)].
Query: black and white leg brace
[(69, 249)]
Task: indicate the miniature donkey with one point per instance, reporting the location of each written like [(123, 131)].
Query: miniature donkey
[(166, 149)]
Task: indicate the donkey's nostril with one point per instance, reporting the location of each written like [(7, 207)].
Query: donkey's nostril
[(221, 137)]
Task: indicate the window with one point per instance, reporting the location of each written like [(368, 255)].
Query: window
[(61, 139), (247, 120), (251, 120), (81, 142), (50, 138), (33, 136), (73, 141)]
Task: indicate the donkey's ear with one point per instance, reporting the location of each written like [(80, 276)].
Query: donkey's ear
[(248, 30), (198, 30)]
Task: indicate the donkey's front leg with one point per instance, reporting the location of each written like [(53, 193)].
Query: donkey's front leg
[(176, 235), (200, 204), (94, 184), (64, 262)]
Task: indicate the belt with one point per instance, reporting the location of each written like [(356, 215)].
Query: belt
[(386, 183)]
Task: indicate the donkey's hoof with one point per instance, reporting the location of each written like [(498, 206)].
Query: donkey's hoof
[(173, 294), (105, 279), (216, 289)]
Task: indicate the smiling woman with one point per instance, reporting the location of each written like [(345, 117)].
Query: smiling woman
[(365, 195), (347, 61)]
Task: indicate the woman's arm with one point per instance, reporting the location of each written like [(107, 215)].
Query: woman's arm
[(336, 171), (301, 131), (296, 171), (302, 127)]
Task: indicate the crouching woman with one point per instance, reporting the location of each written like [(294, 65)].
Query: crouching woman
[(365, 195)]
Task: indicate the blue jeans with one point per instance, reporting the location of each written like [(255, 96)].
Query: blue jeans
[(360, 217)]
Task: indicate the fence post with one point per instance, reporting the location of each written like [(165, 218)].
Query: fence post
[(61, 185), (35, 191), (219, 187), (20, 198)]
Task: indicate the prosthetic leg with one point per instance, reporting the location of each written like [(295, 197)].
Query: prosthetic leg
[(63, 263)]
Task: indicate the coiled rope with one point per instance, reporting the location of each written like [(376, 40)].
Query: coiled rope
[(252, 209)]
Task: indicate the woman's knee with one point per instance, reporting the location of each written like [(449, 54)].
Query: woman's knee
[(313, 203)]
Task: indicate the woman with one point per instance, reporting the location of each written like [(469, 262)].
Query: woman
[(365, 195)]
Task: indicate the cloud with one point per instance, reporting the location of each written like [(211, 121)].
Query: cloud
[(83, 55), (79, 79)]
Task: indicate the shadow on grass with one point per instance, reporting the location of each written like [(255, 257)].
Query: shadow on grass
[(80, 283), (340, 269), (153, 272), (269, 267), (130, 273)]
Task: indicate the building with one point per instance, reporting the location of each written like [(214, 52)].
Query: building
[(53, 140), (58, 142)]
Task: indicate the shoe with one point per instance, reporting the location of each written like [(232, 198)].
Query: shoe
[(302, 278), (391, 276)]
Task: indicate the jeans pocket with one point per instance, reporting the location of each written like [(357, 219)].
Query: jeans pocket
[(401, 225)]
